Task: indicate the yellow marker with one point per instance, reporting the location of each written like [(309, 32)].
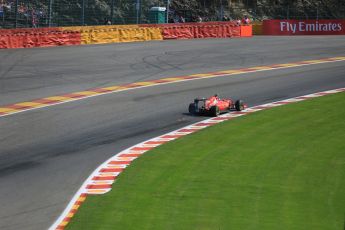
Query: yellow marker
[(261, 68), (237, 72), (30, 104), (58, 98), (118, 88), (82, 198), (63, 223), (172, 79), (144, 83), (230, 72), (8, 110), (289, 65), (200, 75), (337, 58), (76, 206), (86, 93), (113, 88), (316, 61)]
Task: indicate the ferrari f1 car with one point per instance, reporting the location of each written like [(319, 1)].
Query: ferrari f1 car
[(213, 106)]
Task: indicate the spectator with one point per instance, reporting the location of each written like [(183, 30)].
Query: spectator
[(8, 6), (226, 18), (176, 19), (171, 19), (198, 19), (181, 19), (34, 19), (238, 22), (107, 21), (245, 20), (22, 9)]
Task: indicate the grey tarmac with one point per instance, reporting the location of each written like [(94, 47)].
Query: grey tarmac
[(46, 154)]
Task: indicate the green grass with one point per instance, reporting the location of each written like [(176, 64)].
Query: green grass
[(282, 168)]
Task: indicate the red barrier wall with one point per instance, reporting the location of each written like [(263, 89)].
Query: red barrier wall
[(44, 37), (304, 27), (28, 40)]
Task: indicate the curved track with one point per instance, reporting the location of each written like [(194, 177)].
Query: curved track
[(46, 154)]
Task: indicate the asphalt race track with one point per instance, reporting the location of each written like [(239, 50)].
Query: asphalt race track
[(46, 154)]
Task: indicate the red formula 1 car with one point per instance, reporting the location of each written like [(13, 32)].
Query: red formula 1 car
[(213, 106)]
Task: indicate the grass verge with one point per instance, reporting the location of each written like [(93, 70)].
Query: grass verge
[(282, 168)]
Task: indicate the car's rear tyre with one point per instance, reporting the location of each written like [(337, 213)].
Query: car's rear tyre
[(191, 108), (239, 105), (215, 111)]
